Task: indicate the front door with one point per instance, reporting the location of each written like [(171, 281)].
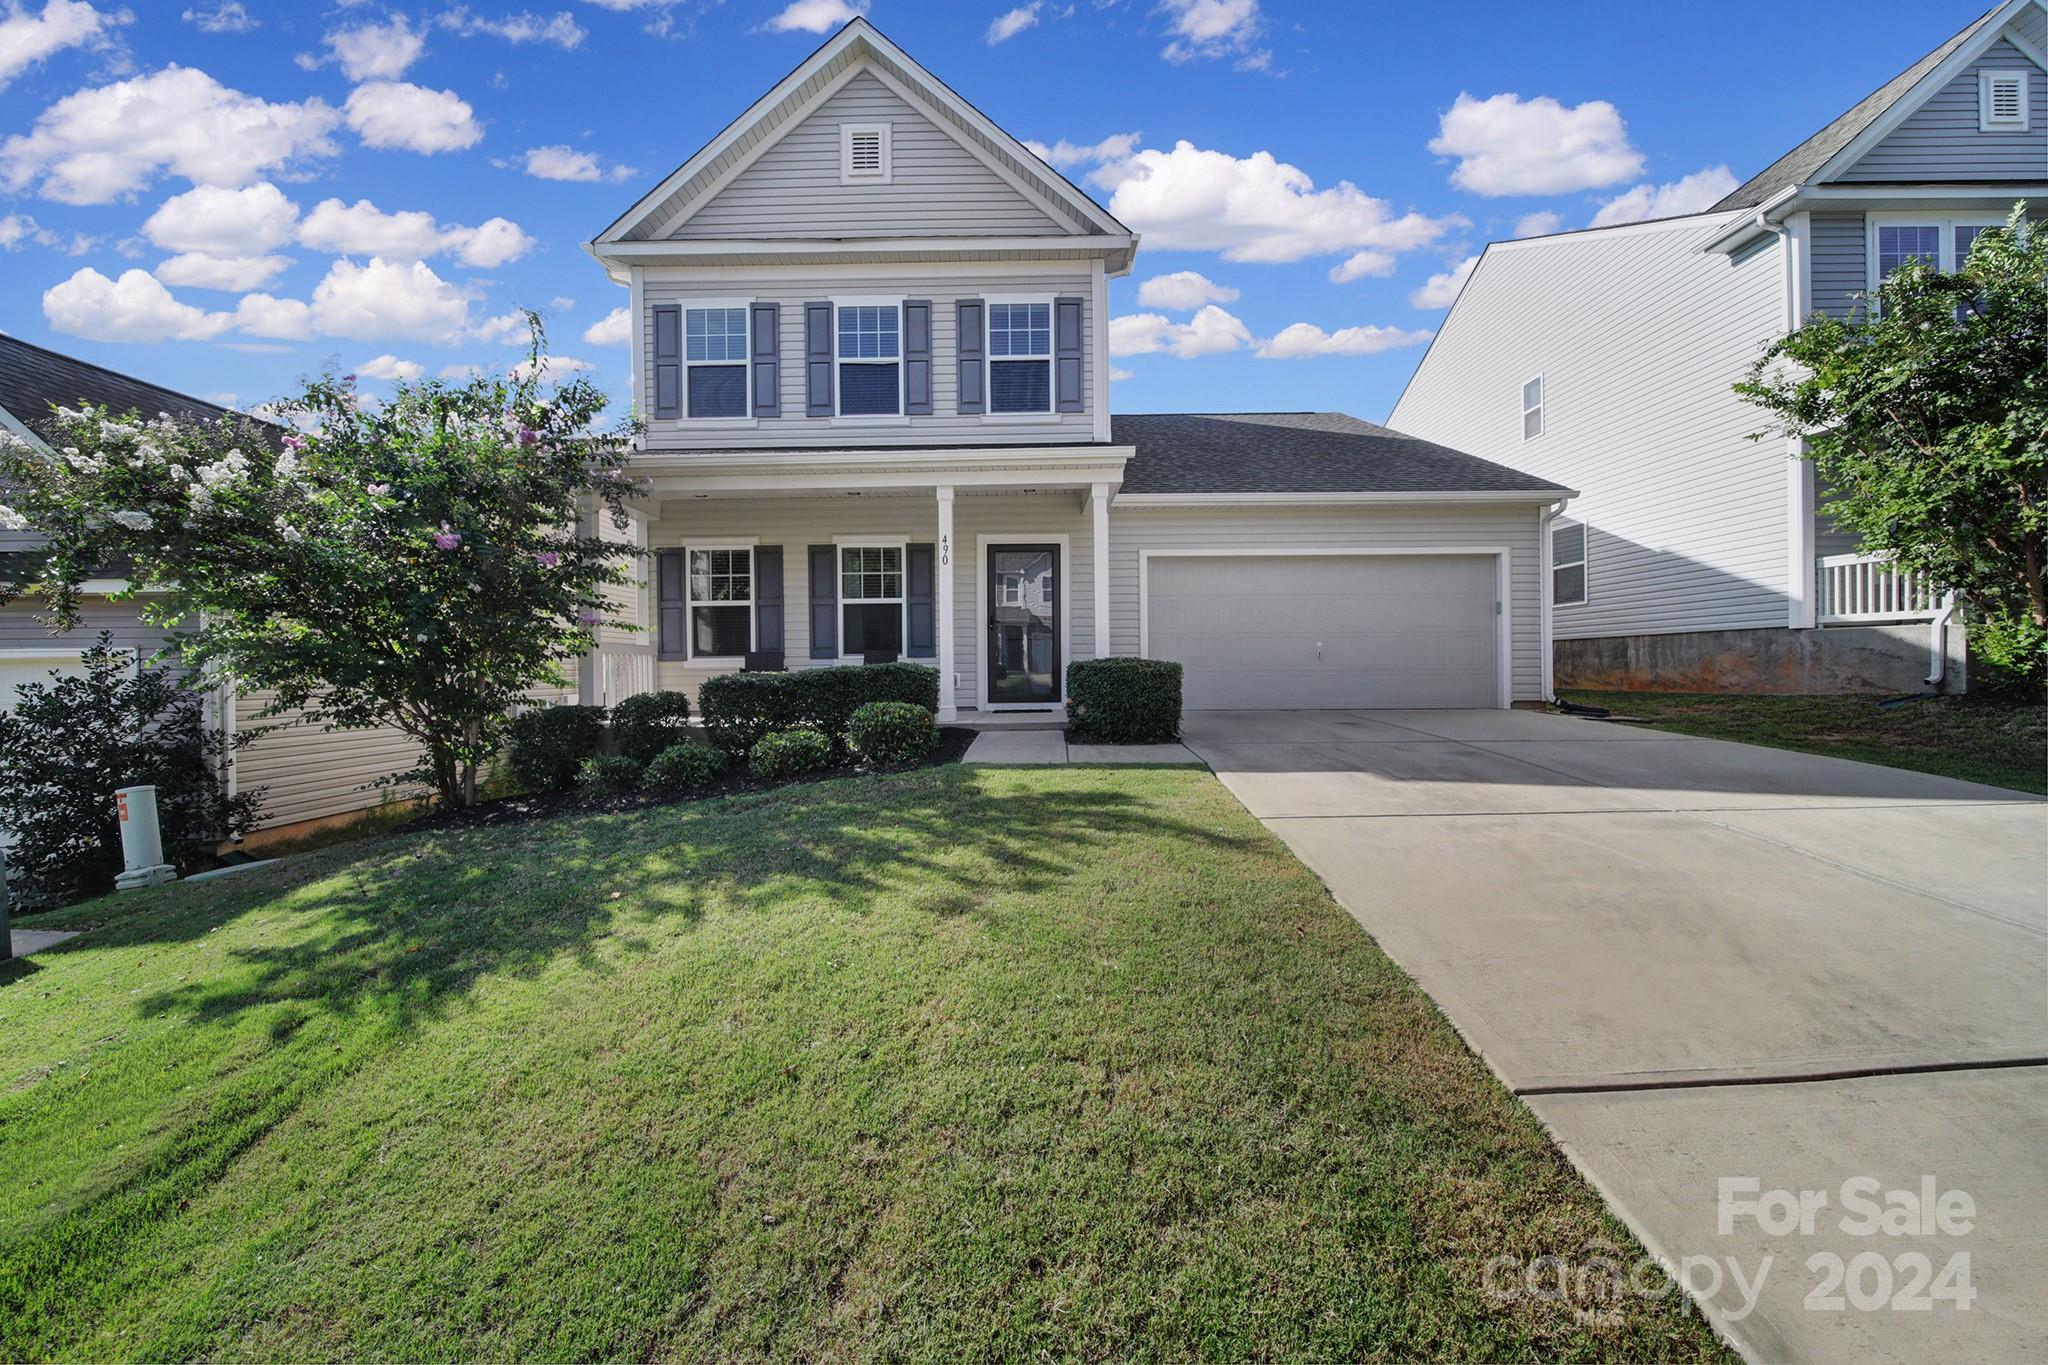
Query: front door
[(1023, 624)]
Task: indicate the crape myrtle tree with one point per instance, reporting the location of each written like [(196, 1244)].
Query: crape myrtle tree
[(1927, 419), (425, 562)]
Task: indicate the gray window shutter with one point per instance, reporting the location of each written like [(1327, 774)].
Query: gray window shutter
[(668, 360), (920, 640), (824, 602), (767, 345), (970, 342), (673, 614), (817, 360), (768, 597), (1066, 354), (917, 358)]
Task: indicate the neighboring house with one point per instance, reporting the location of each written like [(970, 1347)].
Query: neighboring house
[(306, 772), (1700, 558), (870, 343)]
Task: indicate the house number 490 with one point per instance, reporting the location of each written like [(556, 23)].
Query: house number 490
[(946, 551)]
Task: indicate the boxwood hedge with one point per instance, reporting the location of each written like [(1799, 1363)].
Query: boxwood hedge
[(737, 709), (1124, 701)]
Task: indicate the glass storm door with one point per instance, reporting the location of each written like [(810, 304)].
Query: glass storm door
[(1023, 624)]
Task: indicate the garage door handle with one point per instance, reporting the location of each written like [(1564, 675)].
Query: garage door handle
[(1319, 649)]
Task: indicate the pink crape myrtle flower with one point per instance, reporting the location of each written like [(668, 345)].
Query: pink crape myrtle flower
[(548, 559), (445, 539), (528, 436), (589, 618), (294, 443)]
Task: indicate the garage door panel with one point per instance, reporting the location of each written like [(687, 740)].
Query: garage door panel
[(1327, 631)]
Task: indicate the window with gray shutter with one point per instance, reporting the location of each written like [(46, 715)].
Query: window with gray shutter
[(668, 360), (768, 597), (969, 352), (817, 360), (1068, 336), (917, 357), (824, 602), (1020, 357), (672, 623), (767, 360)]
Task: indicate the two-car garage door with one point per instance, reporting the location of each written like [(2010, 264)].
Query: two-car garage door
[(1302, 632)]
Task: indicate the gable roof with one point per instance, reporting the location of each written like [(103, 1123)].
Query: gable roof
[(1299, 452), (858, 46), (34, 378), (1802, 163)]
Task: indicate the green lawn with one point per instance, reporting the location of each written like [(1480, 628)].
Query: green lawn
[(954, 1063), (1976, 738)]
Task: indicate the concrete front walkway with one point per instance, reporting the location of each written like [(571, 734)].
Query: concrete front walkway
[(1050, 747), (1697, 960)]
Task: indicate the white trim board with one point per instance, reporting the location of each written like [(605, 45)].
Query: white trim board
[(1064, 587), (1503, 579)]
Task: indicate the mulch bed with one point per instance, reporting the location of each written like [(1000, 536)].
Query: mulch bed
[(517, 810)]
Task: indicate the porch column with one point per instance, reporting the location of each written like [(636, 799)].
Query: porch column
[(1098, 505), (942, 627)]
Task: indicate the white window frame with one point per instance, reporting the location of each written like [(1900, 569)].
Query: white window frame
[(746, 363), (690, 602), (840, 545), (1584, 563), (885, 419), (44, 654), (1944, 224), (1013, 590), (1050, 412), (1985, 81), (847, 175), (1542, 401)]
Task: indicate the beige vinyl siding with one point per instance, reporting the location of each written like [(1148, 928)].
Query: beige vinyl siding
[(937, 186), (308, 771), (1942, 139), (945, 425), (1638, 335), (1221, 530), (21, 631), (796, 524)]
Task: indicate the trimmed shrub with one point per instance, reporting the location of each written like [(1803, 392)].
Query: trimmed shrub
[(789, 753), (1124, 701), (738, 709), (648, 725), (681, 767), (609, 775), (551, 742), (892, 732), (2009, 656)]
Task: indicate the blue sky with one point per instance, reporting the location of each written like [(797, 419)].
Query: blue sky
[(222, 197)]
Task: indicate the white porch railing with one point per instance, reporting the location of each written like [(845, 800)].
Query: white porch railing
[(1858, 589), (625, 671)]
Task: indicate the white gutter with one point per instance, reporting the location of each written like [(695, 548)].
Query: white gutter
[(1466, 496), (1544, 644), (1937, 643)]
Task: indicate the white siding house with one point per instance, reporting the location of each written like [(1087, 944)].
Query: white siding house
[(1698, 557)]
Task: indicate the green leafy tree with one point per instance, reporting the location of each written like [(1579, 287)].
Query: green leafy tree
[(424, 563), (1927, 419)]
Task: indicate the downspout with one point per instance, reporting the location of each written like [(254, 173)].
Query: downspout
[(1551, 512), (1937, 643)]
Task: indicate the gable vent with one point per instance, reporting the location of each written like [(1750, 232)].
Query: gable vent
[(2002, 100), (864, 153)]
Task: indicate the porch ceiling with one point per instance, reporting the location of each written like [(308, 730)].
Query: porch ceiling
[(911, 473)]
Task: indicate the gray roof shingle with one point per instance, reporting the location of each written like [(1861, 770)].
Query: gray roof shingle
[(1298, 452), (32, 378), (1797, 166)]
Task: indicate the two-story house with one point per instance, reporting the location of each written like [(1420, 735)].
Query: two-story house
[(1700, 558), (870, 345)]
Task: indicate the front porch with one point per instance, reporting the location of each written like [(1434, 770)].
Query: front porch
[(992, 566)]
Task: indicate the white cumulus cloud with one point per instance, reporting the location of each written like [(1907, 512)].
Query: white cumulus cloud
[(228, 16), (1361, 265), (1066, 155), (1216, 28), (556, 365), (27, 38), (815, 16), (411, 117), (1209, 332), (388, 366), (224, 222), (1538, 224), (613, 329), (561, 30), (239, 274), (363, 229), (1303, 340), (135, 307), (1441, 289), (373, 51), (1508, 145), (95, 145), (262, 315), (1010, 23), (388, 300), (560, 162), (490, 244), (1182, 291), (1691, 194)]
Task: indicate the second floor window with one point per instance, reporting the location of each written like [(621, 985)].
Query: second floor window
[(1898, 243), (1532, 408), (1020, 357), (715, 354), (870, 360)]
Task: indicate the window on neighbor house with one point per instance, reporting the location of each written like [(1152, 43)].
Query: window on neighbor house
[(1013, 590), (1532, 408), (1567, 564), (715, 355), (1020, 357), (721, 603), (870, 598), (870, 360), (2002, 101)]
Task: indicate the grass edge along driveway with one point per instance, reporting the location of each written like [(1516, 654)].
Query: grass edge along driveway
[(959, 1062)]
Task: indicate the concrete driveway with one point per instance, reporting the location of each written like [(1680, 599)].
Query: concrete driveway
[(1700, 960)]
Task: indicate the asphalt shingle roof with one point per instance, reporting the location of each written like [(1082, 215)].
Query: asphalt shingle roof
[(32, 378), (1298, 452), (1797, 166)]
